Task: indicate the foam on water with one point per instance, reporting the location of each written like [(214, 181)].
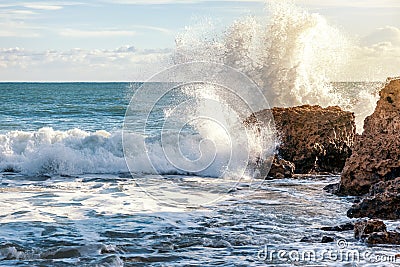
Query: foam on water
[(72, 152), (47, 151)]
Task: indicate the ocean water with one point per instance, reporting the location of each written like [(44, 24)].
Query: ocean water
[(109, 174), (68, 199)]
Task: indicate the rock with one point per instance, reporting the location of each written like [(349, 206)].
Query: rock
[(376, 152), (363, 228), (383, 201), (384, 238), (315, 139), (281, 168), (389, 187), (374, 232), (332, 188), (305, 239), (317, 238), (327, 239), (339, 228)]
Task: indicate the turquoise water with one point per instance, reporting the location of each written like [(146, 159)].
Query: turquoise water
[(63, 106)]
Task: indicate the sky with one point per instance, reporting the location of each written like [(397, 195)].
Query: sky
[(129, 40)]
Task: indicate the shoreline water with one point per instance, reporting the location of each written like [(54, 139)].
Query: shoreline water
[(107, 226), (63, 217)]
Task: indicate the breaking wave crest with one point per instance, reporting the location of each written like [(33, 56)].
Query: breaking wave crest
[(292, 54)]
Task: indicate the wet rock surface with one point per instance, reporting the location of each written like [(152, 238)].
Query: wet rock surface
[(363, 228), (376, 152), (281, 168), (383, 238), (374, 232), (383, 201), (315, 139)]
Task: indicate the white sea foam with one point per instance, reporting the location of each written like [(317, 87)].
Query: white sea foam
[(47, 151), (293, 55), (51, 152)]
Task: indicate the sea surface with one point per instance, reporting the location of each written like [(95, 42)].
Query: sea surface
[(68, 199)]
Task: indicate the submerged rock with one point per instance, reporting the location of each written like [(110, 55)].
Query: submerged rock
[(339, 228), (327, 239), (376, 152), (315, 139), (317, 238)]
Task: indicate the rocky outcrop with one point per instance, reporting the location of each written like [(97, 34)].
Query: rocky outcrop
[(384, 238), (363, 228), (315, 139), (374, 232), (281, 168), (383, 201), (376, 152)]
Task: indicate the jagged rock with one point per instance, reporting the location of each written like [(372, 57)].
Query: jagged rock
[(389, 187), (281, 168), (384, 238), (376, 152), (363, 228), (315, 139), (383, 201)]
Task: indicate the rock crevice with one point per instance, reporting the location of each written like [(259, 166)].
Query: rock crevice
[(376, 153)]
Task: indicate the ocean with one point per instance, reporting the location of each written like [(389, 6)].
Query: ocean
[(164, 172), (68, 198)]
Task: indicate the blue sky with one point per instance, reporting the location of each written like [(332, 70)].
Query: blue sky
[(125, 39)]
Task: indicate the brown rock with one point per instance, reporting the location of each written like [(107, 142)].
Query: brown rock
[(389, 187), (315, 139), (363, 228), (384, 238), (376, 152), (383, 201), (281, 168)]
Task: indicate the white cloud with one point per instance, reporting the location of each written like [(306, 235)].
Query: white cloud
[(95, 33), (6, 33), (352, 3), (21, 12), (152, 28), (331, 3), (39, 5), (125, 63), (42, 6), (389, 34), (18, 29), (376, 57)]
